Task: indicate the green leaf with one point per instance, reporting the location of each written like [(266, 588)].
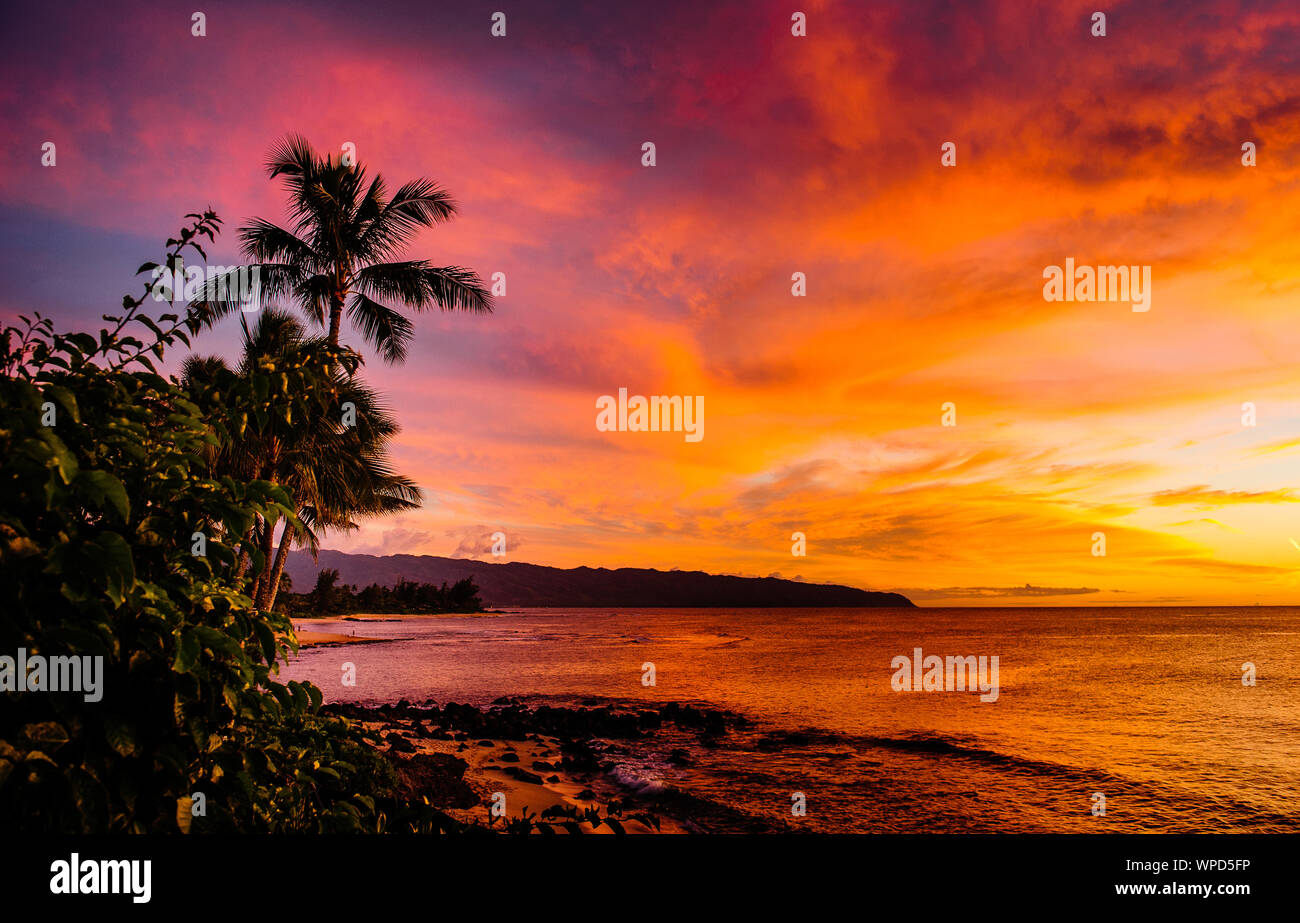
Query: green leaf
[(187, 651), (184, 812), (266, 638), (65, 399), (48, 734), (103, 486), (64, 462), (300, 700), (118, 568), (218, 642), (84, 341), (120, 735)]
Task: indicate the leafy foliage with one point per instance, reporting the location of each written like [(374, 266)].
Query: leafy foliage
[(105, 484)]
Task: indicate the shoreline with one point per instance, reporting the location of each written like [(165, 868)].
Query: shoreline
[(334, 639), (463, 758), (309, 638)]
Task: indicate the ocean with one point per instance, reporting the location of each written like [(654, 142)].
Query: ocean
[(1144, 707)]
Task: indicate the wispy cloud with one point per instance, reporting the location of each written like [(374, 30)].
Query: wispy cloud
[(1205, 497)]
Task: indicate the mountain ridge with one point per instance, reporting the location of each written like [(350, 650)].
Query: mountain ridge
[(521, 584)]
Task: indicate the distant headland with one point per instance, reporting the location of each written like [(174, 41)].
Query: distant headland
[(518, 584)]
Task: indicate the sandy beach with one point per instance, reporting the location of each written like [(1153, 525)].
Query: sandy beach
[(447, 756), (330, 639), (317, 638)]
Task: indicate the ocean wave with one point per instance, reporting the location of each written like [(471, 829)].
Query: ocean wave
[(940, 745), (934, 744), (637, 782)]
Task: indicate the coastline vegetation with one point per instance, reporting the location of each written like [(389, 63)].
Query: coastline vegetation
[(138, 515), (404, 598), (124, 536)]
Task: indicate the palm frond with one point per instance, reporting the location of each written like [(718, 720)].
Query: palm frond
[(458, 288), (265, 242), (292, 156), (382, 327)]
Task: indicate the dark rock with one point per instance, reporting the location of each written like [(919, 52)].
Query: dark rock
[(578, 757), (399, 744), (523, 775), (436, 776)]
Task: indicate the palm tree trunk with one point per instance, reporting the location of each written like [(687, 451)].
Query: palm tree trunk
[(242, 564), (264, 578), (336, 319), (280, 557), (255, 541)]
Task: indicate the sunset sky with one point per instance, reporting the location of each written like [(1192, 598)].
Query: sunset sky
[(775, 154)]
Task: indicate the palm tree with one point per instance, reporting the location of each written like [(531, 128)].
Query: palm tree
[(342, 252), (334, 473)]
